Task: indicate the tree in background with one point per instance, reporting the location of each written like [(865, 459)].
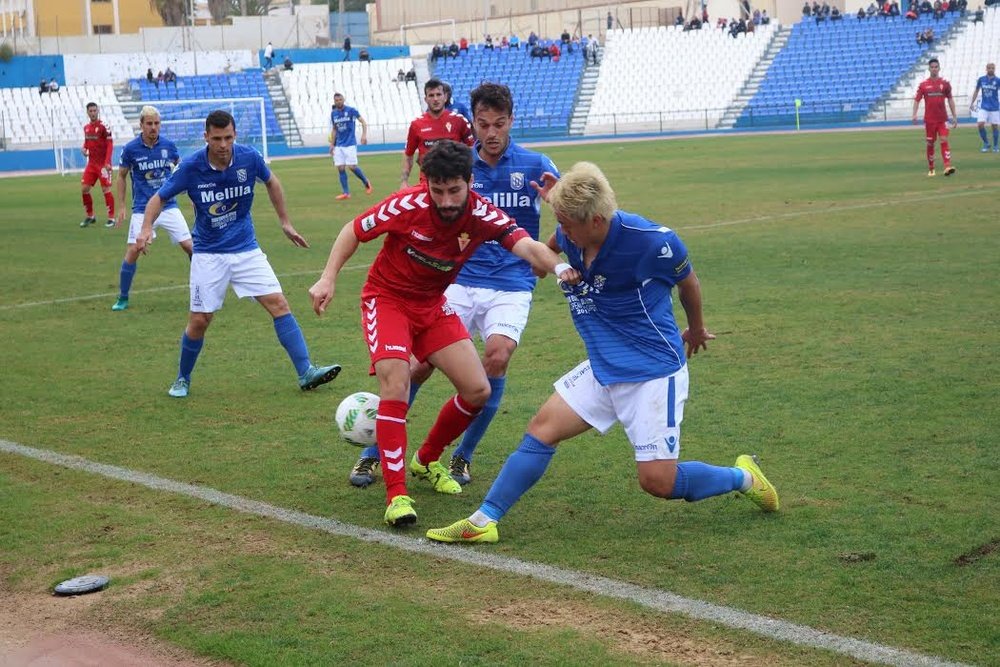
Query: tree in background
[(173, 12)]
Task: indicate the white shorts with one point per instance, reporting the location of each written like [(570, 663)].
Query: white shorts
[(488, 311), (991, 117), (651, 412), (249, 273), (345, 155), (170, 220)]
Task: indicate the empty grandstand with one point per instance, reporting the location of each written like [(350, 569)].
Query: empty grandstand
[(56, 119)]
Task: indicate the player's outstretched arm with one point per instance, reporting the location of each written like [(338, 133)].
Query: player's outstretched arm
[(696, 335), (120, 187), (545, 187), (343, 248), (277, 196), (544, 261), (153, 209)]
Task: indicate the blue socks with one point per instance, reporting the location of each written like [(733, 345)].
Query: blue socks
[(291, 338), (982, 133), (360, 174), (697, 481), (477, 429), (190, 349), (523, 468), (343, 183), (128, 273), (996, 137), (372, 452)]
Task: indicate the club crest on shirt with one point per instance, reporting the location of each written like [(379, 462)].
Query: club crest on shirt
[(516, 180), (463, 241), (241, 175), (447, 126), (163, 153), (597, 283)]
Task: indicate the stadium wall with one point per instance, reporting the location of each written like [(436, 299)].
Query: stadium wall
[(335, 54), (23, 71)]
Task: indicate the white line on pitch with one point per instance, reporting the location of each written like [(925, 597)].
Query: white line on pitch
[(706, 226), (652, 598)]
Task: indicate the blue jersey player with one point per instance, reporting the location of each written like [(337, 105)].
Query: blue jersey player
[(492, 294), (149, 159), (344, 143), (637, 371), (220, 181), (989, 107)]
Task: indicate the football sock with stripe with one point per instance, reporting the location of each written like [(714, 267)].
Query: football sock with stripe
[(290, 335), (390, 433), (477, 429), (523, 468), (696, 481), (372, 452), (455, 416)]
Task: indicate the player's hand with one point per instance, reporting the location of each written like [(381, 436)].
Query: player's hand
[(331, 149), (143, 240), (364, 139), (119, 218), (107, 171), (954, 123), (545, 187), (404, 184), (294, 236), (570, 276), (914, 120), (695, 339), (321, 294)]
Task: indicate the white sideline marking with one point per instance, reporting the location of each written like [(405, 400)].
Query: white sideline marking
[(710, 225), (648, 597)]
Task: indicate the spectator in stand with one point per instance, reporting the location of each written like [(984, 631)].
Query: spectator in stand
[(149, 76), (532, 39), (400, 76), (453, 50), (554, 52), (704, 14), (816, 10), (591, 53), (886, 9), (938, 11), (365, 57), (872, 10), (679, 19), (756, 17), (53, 85), (721, 23), (538, 51), (504, 43), (920, 38), (929, 36), (159, 78), (764, 18), (463, 45), (564, 38), (347, 49), (911, 13), (751, 26), (695, 24), (287, 63), (806, 12), (169, 76), (861, 13), (269, 56), (835, 14), (926, 7), (411, 75), (611, 21), (436, 53), (978, 16), (489, 42), (515, 42), (893, 8)]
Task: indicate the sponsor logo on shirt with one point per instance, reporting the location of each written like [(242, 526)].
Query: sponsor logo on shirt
[(666, 252), (573, 379), (395, 348), (417, 235), (368, 223), (427, 260), (231, 192), (507, 200)]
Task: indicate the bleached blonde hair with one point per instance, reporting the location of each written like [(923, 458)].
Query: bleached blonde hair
[(582, 193), (148, 110)]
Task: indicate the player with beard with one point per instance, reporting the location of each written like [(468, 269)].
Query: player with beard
[(492, 294), (430, 230)]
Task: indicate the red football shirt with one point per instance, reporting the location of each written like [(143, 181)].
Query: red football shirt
[(422, 254), (934, 92), (97, 140), (426, 130)]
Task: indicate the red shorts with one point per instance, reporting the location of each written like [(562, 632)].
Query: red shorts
[(395, 329), (936, 129), (92, 174)]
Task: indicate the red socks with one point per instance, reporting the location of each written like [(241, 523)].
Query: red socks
[(390, 433), (454, 418), (88, 205), (109, 200)]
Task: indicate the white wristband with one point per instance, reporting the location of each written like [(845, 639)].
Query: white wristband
[(560, 267)]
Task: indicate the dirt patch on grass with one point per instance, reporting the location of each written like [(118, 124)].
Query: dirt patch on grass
[(628, 635), (44, 629)]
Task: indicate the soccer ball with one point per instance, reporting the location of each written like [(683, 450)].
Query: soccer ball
[(356, 418)]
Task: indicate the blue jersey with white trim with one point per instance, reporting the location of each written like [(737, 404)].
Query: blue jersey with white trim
[(343, 126), (622, 308), (988, 86), (508, 187), (222, 198), (150, 166)]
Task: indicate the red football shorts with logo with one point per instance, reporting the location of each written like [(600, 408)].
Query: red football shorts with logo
[(936, 129), (395, 329), (92, 174)]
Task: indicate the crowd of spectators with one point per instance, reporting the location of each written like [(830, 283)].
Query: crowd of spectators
[(535, 47), (50, 86), (885, 9), (164, 77)]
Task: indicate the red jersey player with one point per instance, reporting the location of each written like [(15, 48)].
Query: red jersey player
[(435, 124), (97, 148), (934, 91), (430, 231)]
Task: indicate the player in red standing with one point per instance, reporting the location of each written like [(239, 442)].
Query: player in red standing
[(934, 91), (430, 231), (97, 148), (432, 126)]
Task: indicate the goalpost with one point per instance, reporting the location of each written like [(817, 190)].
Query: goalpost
[(181, 121)]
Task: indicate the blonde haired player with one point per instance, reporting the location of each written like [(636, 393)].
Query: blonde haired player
[(150, 159)]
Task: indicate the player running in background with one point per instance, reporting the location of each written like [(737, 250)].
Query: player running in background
[(637, 371), (934, 91), (989, 107), (344, 144), (432, 126), (150, 159), (492, 294), (455, 105), (98, 147), (431, 230), (220, 181)]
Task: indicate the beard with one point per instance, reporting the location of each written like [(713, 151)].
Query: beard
[(451, 213)]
